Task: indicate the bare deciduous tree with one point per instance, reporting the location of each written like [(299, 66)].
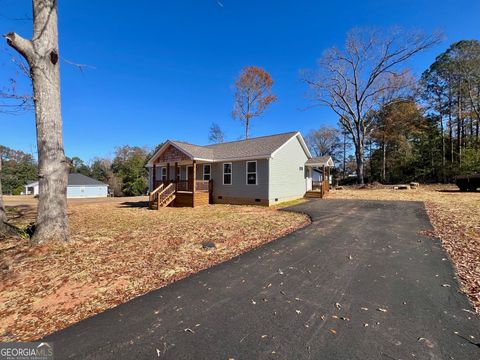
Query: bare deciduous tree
[(355, 80), (216, 134), (253, 93), (42, 56), (11, 102), (324, 141)]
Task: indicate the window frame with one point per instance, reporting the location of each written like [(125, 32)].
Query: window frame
[(162, 175), (209, 172), (247, 172), (230, 173)]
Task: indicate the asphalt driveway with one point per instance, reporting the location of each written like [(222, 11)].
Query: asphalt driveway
[(360, 282)]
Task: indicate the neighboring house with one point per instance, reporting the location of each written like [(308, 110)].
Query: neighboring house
[(31, 189), (79, 186), (264, 170)]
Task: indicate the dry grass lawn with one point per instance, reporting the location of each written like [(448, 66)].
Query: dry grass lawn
[(118, 251), (455, 217)]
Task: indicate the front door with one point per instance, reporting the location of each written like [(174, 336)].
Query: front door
[(190, 178)]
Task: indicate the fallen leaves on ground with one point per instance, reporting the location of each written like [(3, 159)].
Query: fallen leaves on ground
[(455, 217), (117, 252)]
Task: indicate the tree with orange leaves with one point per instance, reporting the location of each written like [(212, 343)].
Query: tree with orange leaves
[(253, 93)]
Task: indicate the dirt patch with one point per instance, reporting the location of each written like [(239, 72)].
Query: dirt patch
[(455, 217), (118, 251)]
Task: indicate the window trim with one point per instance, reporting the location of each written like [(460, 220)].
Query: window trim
[(209, 173), (231, 173), (247, 172), (164, 176)]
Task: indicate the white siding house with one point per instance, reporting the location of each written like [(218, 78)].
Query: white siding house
[(79, 186)]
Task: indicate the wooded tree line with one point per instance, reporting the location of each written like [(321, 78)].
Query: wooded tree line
[(18, 168), (125, 174), (425, 130)]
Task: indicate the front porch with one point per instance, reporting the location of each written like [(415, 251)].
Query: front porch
[(318, 188), (177, 179), (181, 193)]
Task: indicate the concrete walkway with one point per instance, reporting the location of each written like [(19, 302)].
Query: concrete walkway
[(359, 283)]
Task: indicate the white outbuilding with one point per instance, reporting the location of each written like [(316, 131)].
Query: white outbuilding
[(79, 186)]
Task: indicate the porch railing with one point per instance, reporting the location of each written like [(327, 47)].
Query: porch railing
[(153, 196), (203, 185), (187, 185), (322, 186), (184, 185)]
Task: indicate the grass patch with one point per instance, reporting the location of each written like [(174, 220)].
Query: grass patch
[(117, 252), (289, 203)]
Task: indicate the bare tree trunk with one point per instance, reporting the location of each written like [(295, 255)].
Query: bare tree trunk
[(443, 149), (42, 55), (344, 152), (384, 160), (450, 125), (360, 163), (370, 161), (459, 129)]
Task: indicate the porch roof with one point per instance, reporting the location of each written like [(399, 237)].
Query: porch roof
[(326, 161)]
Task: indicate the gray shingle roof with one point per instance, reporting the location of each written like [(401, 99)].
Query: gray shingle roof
[(258, 147), (82, 180), (201, 152), (76, 179)]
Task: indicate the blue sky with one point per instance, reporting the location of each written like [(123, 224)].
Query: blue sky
[(165, 69)]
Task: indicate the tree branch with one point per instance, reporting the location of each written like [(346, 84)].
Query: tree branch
[(22, 45)]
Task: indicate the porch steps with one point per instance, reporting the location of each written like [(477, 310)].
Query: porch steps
[(162, 196), (313, 194), (166, 201), (154, 205)]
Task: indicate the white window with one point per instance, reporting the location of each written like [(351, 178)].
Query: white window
[(207, 172), (251, 173), (164, 174), (227, 174)]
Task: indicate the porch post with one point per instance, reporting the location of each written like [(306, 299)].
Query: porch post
[(194, 177), (168, 171), (328, 178), (176, 172), (154, 176), (323, 181)]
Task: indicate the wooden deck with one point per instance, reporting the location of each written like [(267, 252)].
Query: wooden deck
[(181, 193), (319, 189)]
